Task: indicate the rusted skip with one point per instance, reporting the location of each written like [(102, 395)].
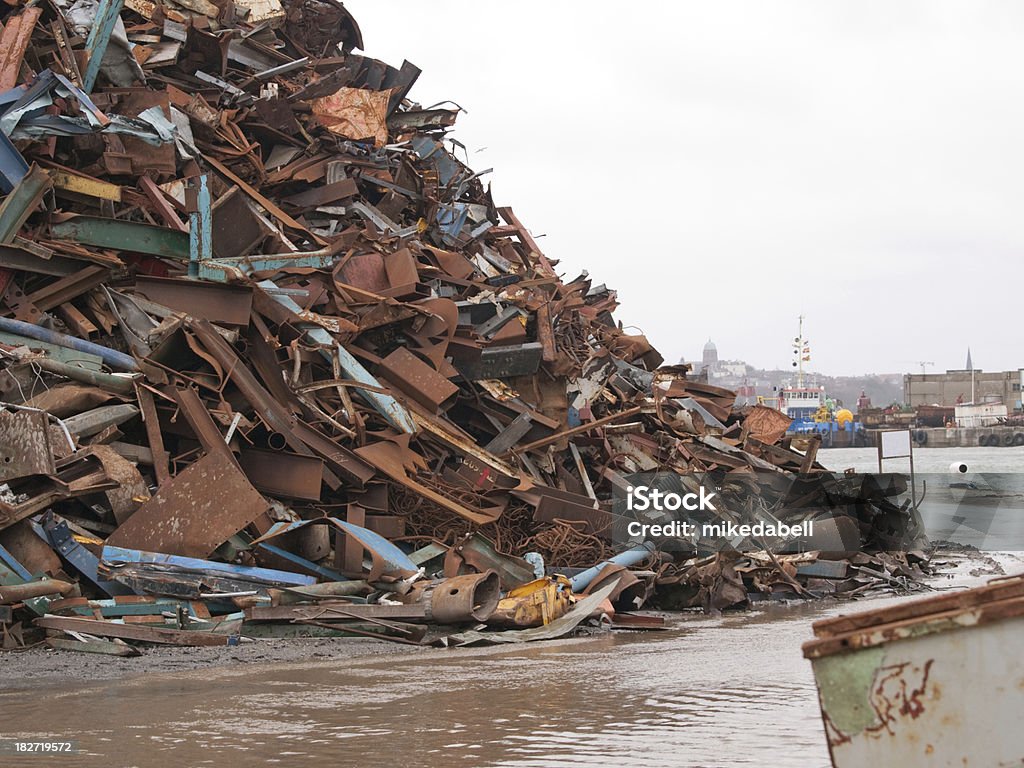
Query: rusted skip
[(930, 682)]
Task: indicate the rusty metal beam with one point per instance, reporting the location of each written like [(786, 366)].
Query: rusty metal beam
[(163, 208), (230, 304), (582, 428), (15, 40), (151, 422), (140, 632), (67, 288)]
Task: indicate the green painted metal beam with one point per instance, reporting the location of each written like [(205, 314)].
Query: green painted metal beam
[(124, 236), (62, 354), (223, 270), (22, 200)]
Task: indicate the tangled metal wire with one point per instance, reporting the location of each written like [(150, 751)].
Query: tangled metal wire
[(562, 542), (566, 545)]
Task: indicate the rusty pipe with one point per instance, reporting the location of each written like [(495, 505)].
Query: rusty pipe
[(17, 593), (462, 599)]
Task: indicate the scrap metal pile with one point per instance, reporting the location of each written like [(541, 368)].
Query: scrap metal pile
[(273, 363)]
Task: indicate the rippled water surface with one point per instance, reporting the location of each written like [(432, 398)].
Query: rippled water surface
[(709, 692)]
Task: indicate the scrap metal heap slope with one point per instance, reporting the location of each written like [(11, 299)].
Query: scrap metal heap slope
[(269, 351)]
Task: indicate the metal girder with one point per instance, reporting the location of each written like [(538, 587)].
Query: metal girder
[(107, 14), (13, 573), (17, 35), (21, 201), (200, 236), (56, 533), (221, 270), (12, 165), (124, 236), (85, 185), (142, 632)]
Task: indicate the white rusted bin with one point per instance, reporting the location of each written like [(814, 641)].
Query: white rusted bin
[(933, 682)]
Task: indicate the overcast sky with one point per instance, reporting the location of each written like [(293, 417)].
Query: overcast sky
[(726, 166)]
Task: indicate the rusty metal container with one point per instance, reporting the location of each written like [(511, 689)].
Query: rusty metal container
[(934, 682)]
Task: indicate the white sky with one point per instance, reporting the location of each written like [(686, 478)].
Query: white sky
[(726, 165)]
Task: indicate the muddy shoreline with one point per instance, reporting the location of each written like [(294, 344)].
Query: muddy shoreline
[(40, 665)]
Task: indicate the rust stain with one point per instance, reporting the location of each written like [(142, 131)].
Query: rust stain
[(899, 693)]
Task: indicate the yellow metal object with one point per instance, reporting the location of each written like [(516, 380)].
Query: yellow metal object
[(535, 604), (84, 185), (844, 416)]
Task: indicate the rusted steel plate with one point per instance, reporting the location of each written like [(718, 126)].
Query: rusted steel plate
[(217, 303), (340, 190), (766, 424), (195, 512), (596, 521), (24, 445), (418, 380), (131, 489), (281, 473)]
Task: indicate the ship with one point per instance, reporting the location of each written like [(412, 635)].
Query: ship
[(809, 407)]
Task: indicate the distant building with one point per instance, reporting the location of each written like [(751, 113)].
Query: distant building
[(954, 388), (710, 356)]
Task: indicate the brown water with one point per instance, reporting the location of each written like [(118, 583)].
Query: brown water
[(733, 691)]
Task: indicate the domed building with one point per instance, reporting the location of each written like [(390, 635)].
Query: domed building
[(710, 357)]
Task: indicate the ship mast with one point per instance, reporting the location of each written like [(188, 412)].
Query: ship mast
[(802, 352)]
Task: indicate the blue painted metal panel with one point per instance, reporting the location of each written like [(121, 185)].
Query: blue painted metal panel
[(18, 569), (115, 555), (13, 167)]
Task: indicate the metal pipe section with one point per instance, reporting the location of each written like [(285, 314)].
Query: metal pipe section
[(630, 557), (111, 357), (462, 599), (17, 593), (122, 385)]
